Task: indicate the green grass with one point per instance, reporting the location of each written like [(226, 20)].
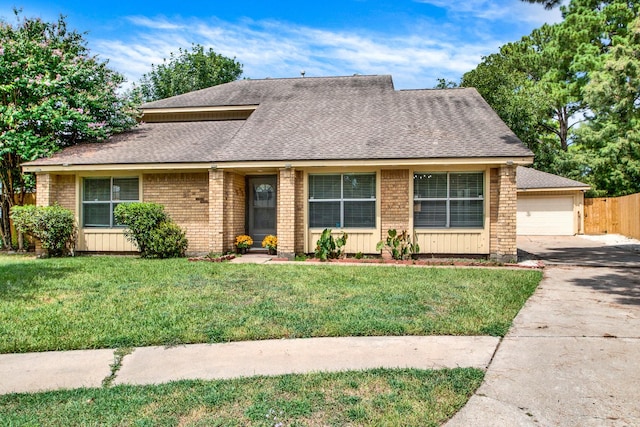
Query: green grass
[(379, 397), (111, 302)]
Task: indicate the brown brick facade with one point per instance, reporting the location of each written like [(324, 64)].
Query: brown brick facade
[(185, 197), (211, 206)]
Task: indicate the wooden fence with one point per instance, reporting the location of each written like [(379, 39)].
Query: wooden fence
[(619, 215)]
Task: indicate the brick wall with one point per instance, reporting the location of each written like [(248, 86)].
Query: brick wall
[(185, 197), (506, 246), (43, 189), (286, 216), (234, 208), (63, 191)]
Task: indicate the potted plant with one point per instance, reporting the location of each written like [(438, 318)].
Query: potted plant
[(271, 243), (243, 243)]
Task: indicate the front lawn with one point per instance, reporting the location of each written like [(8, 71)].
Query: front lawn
[(110, 302), (379, 397)]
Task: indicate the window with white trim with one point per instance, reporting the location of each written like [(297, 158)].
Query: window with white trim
[(448, 200), (342, 200), (100, 196)]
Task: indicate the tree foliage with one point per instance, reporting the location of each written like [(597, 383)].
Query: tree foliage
[(53, 94), (188, 71), (571, 92)]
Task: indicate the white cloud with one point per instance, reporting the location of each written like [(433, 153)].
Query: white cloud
[(502, 10), (416, 59)]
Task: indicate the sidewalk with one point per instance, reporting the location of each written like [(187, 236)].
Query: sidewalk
[(32, 372)]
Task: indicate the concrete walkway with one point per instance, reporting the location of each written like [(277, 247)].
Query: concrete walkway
[(572, 357), (34, 372)]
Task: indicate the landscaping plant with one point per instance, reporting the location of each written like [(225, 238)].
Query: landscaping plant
[(271, 243), (399, 245), (329, 247), (53, 225)]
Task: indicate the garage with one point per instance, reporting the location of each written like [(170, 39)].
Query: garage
[(549, 205), (545, 216)]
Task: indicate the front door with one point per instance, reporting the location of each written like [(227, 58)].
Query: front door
[(261, 209)]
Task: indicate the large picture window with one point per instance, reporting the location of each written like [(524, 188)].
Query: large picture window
[(100, 196), (342, 200), (448, 200)]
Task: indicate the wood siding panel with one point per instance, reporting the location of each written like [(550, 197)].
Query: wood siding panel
[(364, 241), (467, 243), (90, 240)]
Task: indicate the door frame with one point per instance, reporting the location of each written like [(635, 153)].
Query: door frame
[(257, 242)]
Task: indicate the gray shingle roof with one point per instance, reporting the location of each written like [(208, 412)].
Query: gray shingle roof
[(528, 179), (337, 118)]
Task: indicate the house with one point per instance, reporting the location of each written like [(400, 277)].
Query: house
[(549, 205), (294, 156)]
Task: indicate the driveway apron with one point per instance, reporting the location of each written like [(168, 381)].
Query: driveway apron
[(572, 357)]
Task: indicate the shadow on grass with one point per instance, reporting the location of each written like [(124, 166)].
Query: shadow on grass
[(20, 279), (624, 283)]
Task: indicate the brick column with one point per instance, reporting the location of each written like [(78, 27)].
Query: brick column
[(286, 213), (506, 247), (216, 211), (300, 202), (394, 206)]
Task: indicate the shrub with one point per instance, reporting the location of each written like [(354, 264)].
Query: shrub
[(329, 248), (398, 245), (151, 230), (54, 226), (167, 241)]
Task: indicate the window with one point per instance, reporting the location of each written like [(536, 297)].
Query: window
[(448, 200), (343, 200), (100, 196)]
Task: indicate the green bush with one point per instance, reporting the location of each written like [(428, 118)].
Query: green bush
[(167, 241), (54, 226), (328, 247), (151, 230)]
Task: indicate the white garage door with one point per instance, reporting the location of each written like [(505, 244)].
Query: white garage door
[(545, 216)]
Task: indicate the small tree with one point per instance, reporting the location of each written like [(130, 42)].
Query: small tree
[(151, 230), (53, 94), (54, 226)]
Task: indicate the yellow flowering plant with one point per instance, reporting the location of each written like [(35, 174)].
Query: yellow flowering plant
[(270, 242), (244, 241)]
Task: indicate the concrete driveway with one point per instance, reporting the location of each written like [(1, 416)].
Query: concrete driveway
[(572, 356), (580, 251)]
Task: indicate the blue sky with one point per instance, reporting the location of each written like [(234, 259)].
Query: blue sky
[(416, 41)]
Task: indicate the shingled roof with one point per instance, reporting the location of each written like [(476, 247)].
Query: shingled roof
[(333, 118), (531, 179)]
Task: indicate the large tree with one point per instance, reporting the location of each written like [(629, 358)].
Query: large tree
[(571, 92), (53, 94), (188, 71), (532, 87)]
